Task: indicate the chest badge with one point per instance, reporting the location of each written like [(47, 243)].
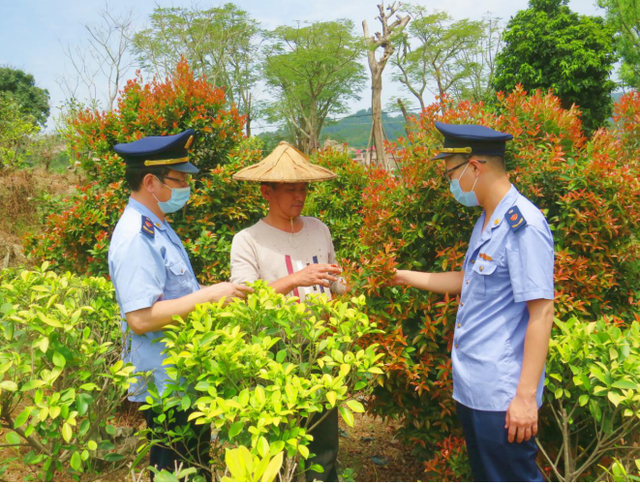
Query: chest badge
[(515, 218), (485, 257), (147, 227)]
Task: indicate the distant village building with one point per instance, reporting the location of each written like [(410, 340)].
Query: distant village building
[(362, 156)]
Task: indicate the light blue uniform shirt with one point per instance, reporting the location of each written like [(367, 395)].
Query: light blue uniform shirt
[(145, 269), (503, 269)]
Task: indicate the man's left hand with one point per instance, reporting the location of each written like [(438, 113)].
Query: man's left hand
[(522, 418)]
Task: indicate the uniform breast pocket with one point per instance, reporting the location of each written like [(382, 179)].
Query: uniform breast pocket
[(178, 279), (486, 276)]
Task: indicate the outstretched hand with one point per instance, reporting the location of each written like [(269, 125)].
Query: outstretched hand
[(317, 274)]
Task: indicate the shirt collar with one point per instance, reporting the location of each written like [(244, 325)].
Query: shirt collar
[(144, 210), (505, 204)]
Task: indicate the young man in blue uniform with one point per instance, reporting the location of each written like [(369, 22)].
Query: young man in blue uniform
[(152, 274), (505, 315)]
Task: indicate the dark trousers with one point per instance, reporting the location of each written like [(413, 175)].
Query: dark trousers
[(194, 450), (491, 456), (325, 446)]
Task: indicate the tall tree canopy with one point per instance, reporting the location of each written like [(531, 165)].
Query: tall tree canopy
[(221, 43), (548, 46), (313, 71), (437, 54), (624, 15), (21, 86)]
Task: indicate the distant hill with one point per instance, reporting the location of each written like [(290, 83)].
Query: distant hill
[(356, 128), (353, 130)]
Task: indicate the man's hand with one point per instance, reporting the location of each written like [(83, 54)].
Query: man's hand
[(317, 274), (522, 418), (226, 290)]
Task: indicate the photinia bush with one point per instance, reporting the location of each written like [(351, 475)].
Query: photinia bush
[(77, 239), (589, 190)]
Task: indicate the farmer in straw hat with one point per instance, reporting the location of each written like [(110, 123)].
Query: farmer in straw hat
[(294, 254)]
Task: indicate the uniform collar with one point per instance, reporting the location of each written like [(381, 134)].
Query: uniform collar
[(144, 210), (505, 204)]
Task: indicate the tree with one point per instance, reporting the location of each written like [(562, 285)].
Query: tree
[(221, 44), (624, 15), (436, 53), (105, 59), (548, 46), (384, 40), (16, 129), (313, 71), (21, 86)]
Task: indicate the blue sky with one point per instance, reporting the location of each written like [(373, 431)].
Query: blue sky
[(33, 32)]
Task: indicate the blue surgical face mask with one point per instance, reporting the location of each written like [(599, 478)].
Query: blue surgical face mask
[(468, 199), (178, 199)]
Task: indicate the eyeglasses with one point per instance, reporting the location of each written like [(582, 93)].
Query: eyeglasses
[(447, 173), (182, 181)]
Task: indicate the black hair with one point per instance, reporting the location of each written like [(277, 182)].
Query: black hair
[(134, 176)]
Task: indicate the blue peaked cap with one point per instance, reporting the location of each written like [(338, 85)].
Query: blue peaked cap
[(471, 138), (168, 151)]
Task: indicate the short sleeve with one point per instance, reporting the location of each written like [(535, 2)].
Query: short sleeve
[(530, 257), (138, 274), (244, 260)]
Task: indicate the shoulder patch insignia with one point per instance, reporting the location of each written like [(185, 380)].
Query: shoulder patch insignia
[(147, 227), (515, 218)]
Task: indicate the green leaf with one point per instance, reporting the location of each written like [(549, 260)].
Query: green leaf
[(30, 385), (304, 451), (583, 400), (113, 457), (331, 397), (13, 438), (263, 447), (9, 386), (625, 384), (66, 432), (273, 468), (92, 445), (22, 418), (76, 462), (355, 406), (235, 429), (375, 370), (615, 398), (234, 464), (59, 360), (346, 415), (282, 354)]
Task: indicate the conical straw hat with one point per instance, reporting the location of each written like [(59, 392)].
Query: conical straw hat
[(285, 164)]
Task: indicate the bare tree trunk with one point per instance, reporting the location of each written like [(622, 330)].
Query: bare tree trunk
[(377, 67), (376, 117)]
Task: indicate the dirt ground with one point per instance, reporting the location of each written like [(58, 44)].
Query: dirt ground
[(370, 449)]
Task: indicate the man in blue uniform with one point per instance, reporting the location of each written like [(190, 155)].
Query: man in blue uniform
[(152, 274), (505, 315)]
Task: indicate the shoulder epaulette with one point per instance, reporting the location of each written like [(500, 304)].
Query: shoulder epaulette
[(147, 227), (515, 219)]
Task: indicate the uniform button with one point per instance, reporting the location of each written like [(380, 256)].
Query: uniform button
[(496, 221), (461, 304), (467, 281), (473, 261), (481, 268), (458, 325), (456, 345)]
